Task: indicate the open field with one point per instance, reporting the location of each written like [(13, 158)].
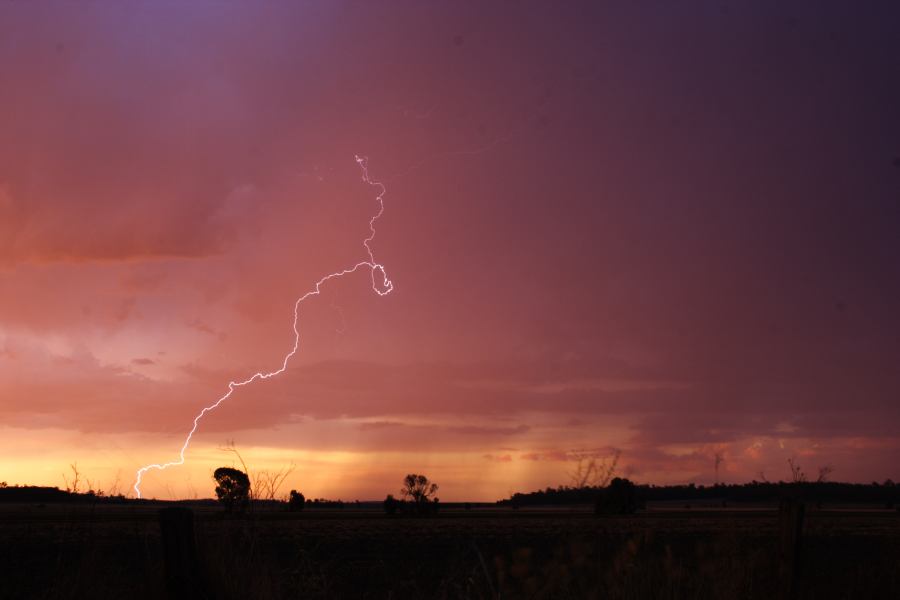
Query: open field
[(107, 551)]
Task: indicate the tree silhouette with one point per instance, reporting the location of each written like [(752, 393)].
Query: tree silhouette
[(420, 491), (825, 472), (797, 474), (232, 488), (73, 486), (390, 505), (591, 470), (267, 483), (618, 498), (296, 502)]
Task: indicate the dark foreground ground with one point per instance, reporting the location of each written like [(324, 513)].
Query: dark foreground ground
[(66, 551)]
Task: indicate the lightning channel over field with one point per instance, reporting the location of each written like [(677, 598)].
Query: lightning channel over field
[(382, 288)]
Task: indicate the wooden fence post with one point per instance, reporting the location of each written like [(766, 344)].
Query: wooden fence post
[(790, 527), (180, 554)]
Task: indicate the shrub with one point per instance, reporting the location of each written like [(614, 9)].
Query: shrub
[(296, 502), (618, 498)]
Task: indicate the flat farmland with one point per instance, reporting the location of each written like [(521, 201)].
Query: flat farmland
[(116, 551)]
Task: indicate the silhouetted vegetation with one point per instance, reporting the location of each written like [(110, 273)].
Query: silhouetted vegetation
[(618, 498), (592, 470), (390, 505), (296, 501), (324, 503), (476, 551), (264, 484), (818, 492), (232, 488), (29, 493), (419, 492)]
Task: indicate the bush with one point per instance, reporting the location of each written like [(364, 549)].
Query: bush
[(390, 505), (618, 498), (296, 502)]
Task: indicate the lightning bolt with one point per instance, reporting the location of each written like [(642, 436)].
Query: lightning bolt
[(385, 288)]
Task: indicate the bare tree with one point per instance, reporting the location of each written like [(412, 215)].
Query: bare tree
[(584, 471), (593, 471), (73, 487), (267, 483), (824, 472), (797, 474), (264, 484), (114, 486), (192, 491)]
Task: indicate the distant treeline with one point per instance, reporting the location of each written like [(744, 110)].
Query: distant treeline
[(30, 493), (887, 493)]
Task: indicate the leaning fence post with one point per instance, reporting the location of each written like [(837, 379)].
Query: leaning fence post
[(180, 553), (790, 527)]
